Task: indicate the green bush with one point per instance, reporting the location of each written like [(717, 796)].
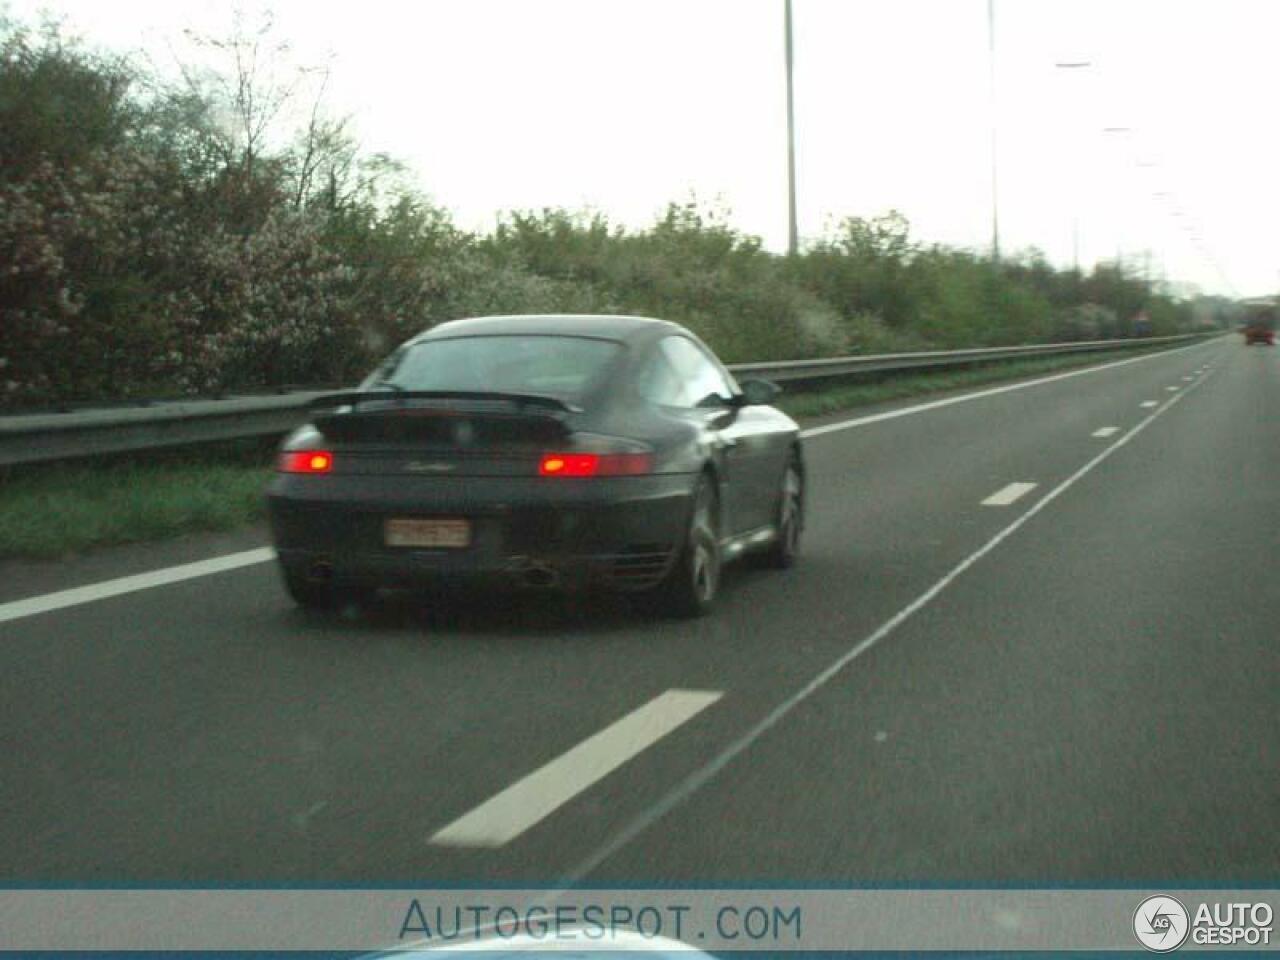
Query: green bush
[(146, 251)]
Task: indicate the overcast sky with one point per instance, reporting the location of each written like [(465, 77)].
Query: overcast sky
[(623, 105)]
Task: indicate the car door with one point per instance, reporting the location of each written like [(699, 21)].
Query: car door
[(706, 395), (763, 438)]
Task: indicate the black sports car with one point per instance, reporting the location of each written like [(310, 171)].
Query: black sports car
[(540, 451)]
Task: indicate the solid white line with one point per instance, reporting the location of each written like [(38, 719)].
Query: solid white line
[(1149, 403), (1188, 379), (510, 813), (1007, 495), (979, 394), (17, 609), (1105, 432), (705, 774)]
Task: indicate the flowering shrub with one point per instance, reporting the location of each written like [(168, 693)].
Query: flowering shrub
[(111, 288), (78, 316)]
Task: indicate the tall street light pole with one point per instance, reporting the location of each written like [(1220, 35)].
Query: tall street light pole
[(1075, 213), (991, 79), (793, 235), (1120, 232)]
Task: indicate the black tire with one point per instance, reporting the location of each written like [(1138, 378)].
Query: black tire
[(310, 594), (782, 553), (691, 585)]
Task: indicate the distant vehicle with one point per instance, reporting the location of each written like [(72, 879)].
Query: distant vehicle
[(1260, 327), (540, 451)]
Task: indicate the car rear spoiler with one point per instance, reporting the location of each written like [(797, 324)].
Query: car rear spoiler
[(519, 400)]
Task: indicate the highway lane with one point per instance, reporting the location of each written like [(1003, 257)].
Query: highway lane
[(206, 731), (1095, 702)]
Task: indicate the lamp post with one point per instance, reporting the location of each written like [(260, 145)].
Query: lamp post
[(793, 234), (1118, 132), (1074, 65), (991, 81)]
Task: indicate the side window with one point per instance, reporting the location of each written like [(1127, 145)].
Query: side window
[(658, 382), (702, 380)]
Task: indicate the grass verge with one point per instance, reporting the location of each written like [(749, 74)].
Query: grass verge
[(59, 509), (51, 511)]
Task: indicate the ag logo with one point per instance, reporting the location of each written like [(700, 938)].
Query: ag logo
[(1161, 923)]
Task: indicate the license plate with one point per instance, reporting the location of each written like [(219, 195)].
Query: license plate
[(445, 533)]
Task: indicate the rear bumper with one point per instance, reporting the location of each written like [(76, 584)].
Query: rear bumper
[(619, 532)]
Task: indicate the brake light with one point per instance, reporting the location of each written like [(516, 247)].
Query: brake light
[(569, 465), (305, 461), (595, 464)]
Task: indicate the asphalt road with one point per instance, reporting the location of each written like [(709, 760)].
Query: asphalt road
[(1075, 682)]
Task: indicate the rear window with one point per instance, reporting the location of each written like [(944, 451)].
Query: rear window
[(565, 367)]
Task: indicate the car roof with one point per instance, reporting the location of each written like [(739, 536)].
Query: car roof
[(607, 326)]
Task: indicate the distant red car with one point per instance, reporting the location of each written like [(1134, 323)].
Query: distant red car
[(1259, 333)]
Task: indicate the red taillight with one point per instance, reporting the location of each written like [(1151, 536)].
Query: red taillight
[(595, 464), (306, 461), (569, 465)]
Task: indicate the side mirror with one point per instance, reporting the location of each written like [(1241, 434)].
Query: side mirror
[(758, 392)]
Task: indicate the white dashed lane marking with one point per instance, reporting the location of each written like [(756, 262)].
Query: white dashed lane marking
[(1010, 494), (510, 813)]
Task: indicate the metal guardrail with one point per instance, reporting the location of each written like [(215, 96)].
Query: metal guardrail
[(815, 370), (34, 438)]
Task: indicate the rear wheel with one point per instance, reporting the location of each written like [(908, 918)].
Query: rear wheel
[(690, 587)]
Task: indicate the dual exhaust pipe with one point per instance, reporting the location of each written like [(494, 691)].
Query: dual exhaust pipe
[(531, 573)]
